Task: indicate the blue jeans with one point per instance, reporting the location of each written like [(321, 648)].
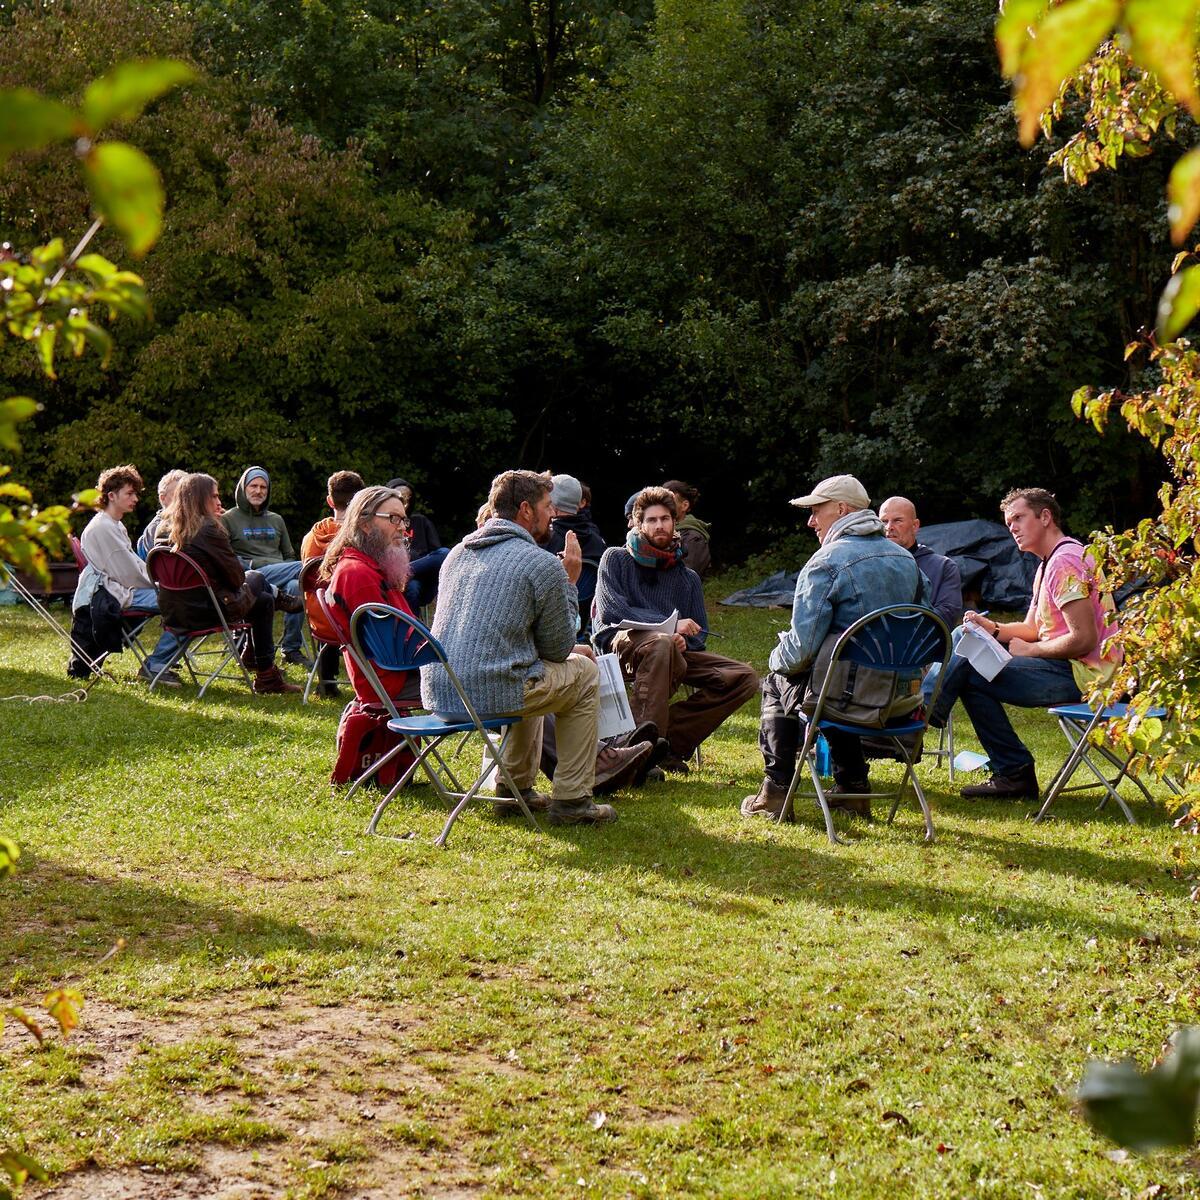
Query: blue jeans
[(286, 577), (164, 649), (1024, 682), (423, 578)]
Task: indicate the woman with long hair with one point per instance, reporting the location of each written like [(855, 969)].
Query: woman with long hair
[(191, 525), (368, 561)]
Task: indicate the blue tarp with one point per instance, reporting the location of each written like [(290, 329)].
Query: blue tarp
[(984, 550)]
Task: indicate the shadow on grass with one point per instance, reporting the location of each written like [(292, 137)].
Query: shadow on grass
[(775, 863), (52, 913), (72, 739)]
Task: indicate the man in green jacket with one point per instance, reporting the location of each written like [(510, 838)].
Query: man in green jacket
[(260, 539)]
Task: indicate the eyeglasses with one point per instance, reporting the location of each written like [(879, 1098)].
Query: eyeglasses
[(395, 518)]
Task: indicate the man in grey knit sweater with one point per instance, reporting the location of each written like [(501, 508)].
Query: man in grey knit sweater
[(507, 616)]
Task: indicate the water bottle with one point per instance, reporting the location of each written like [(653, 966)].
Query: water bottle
[(823, 757)]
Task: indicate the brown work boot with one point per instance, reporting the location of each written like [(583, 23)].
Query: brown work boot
[(846, 798), (506, 805), (768, 801), (269, 681), (285, 602), (619, 766), (583, 811)]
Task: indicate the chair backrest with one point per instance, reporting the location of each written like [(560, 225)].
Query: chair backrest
[(897, 639), (322, 596), (174, 571), (384, 636), (77, 550), (308, 573)]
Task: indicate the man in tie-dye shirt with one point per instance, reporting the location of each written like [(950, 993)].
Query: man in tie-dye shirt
[(1060, 651)]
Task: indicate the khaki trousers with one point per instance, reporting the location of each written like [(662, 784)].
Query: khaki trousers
[(658, 667), (571, 691)]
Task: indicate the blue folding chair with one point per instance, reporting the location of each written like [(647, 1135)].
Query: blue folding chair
[(1079, 723), (389, 639), (903, 639)]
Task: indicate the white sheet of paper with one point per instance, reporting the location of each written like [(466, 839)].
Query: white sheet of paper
[(666, 625), (982, 651), (615, 715)]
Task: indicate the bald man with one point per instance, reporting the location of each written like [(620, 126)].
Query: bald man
[(900, 524)]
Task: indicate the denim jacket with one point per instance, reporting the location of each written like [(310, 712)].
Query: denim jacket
[(855, 571)]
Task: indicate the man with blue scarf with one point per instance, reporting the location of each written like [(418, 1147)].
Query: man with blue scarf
[(643, 582)]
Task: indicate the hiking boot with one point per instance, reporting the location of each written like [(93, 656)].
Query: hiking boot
[(617, 766), (768, 801), (285, 602), (673, 764), (650, 768), (298, 659), (166, 679), (1022, 785), (584, 811), (270, 682), (506, 806), (647, 731), (847, 798)]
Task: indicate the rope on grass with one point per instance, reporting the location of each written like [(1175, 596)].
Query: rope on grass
[(78, 696)]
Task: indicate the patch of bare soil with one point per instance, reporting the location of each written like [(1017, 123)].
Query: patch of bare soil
[(325, 1077)]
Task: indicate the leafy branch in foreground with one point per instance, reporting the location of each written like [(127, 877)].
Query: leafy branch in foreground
[(1146, 1111), (46, 297)]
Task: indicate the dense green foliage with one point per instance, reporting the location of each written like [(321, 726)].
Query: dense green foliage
[(736, 241)]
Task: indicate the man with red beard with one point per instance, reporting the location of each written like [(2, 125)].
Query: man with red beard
[(368, 561), (643, 582)]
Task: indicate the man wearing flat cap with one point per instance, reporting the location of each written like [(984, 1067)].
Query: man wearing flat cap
[(854, 571)]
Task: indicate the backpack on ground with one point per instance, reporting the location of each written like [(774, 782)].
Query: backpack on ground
[(363, 737)]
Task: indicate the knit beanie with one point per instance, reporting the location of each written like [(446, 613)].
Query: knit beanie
[(567, 493)]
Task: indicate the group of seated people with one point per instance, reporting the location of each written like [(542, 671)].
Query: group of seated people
[(510, 618)]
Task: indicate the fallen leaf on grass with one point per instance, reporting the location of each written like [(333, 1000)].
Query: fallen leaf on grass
[(942, 1148), (856, 1085), (909, 953), (596, 1119), (900, 1118)]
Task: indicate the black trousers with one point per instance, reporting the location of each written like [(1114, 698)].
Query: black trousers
[(262, 621), (779, 735)]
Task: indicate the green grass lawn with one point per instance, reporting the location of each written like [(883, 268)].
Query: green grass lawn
[(683, 1003)]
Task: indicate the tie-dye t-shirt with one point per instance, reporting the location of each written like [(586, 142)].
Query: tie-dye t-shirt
[(1063, 577)]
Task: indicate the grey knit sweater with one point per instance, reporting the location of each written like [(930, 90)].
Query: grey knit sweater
[(504, 606)]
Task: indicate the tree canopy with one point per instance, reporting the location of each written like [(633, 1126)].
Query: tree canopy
[(740, 242)]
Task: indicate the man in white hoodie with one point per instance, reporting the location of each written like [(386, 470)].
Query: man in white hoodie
[(113, 565)]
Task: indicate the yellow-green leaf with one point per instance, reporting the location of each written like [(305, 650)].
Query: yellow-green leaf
[(1162, 38), (47, 335), (1178, 304), (63, 1004), (125, 91), (1183, 195), (9, 853), (29, 121), (19, 1014), (20, 1167), (1062, 42), (127, 191), (1013, 27)]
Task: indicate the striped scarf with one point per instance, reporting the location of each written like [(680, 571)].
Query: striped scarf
[(646, 555)]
